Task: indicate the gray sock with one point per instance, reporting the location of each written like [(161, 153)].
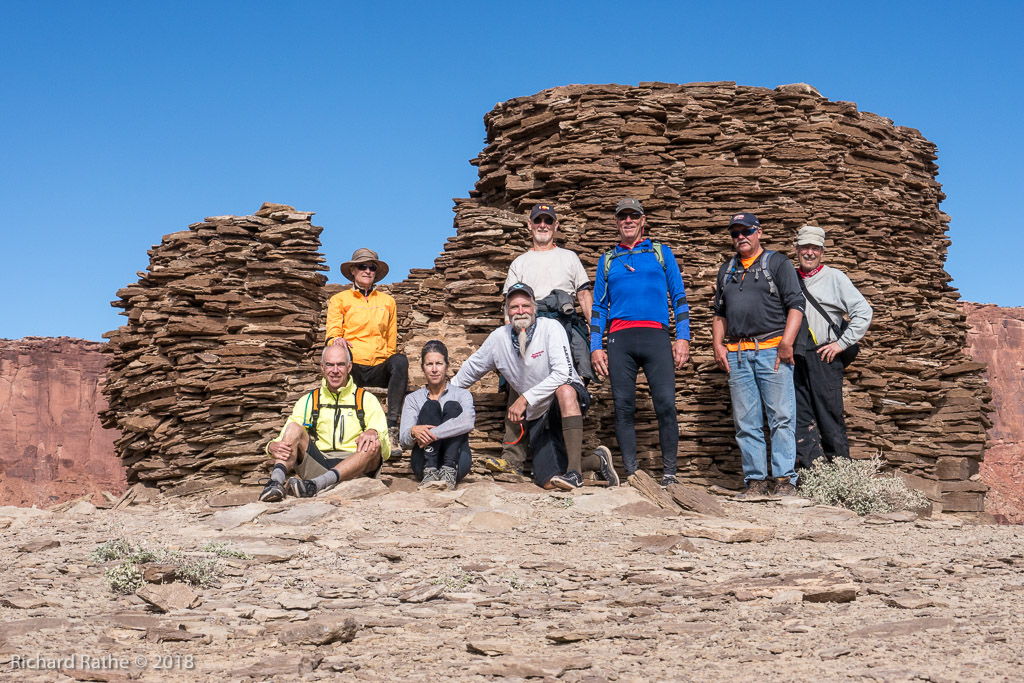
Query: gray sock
[(279, 473), (328, 478)]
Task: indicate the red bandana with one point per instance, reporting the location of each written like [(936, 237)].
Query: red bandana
[(804, 276)]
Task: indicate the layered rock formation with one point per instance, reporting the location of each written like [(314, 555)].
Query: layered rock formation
[(694, 155), (221, 324), (218, 343), (996, 338), (53, 448)]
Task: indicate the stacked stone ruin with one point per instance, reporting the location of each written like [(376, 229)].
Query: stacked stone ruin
[(222, 328), (694, 155), (220, 333)]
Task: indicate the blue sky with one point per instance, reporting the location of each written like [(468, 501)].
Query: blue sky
[(124, 121)]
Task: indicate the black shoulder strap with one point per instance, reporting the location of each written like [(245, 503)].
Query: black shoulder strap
[(314, 415), (817, 307), (359, 409)]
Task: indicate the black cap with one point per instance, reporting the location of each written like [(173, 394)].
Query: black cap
[(747, 219), (543, 210), (520, 287), (629, 205)]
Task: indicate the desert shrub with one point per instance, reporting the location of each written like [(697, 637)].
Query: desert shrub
[(199, 571), (858, 486), (124, 578), (225, 550)]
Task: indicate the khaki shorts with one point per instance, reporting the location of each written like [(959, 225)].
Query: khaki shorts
[(315, 463)]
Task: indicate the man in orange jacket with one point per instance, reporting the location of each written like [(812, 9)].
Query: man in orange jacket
[(367, 318)]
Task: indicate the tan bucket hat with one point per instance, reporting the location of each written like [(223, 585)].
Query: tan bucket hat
[(364, 255)]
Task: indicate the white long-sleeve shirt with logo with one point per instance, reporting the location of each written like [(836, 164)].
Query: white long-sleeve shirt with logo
[(547, 365)]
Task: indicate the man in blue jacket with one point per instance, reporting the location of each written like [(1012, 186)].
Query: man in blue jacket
[(637, 282)]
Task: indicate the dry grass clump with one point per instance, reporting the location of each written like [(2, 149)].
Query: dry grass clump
[(858, 485)]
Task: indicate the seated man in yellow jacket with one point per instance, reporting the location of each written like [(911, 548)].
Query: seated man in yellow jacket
[(334, 433), (367, 319)]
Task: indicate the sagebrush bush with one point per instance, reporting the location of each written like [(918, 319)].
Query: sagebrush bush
[(124, 578), (858, 486)]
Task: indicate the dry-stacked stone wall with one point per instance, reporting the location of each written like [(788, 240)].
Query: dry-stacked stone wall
[(694, 155), (219, 341)]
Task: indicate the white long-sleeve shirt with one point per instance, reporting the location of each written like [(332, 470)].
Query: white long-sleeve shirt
[(837, 295), (547, 366)]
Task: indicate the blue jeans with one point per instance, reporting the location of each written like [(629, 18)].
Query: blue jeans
[(753, 379)]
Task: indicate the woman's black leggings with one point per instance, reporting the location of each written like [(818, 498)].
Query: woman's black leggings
[(450, 452)]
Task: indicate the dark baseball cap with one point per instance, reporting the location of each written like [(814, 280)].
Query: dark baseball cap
[(629, 205), (520, 287), (747, 219), (543, 210)]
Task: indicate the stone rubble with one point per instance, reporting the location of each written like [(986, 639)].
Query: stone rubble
[(577, 591)]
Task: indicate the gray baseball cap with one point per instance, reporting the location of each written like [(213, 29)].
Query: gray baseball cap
[(810, 234), (629, 205)]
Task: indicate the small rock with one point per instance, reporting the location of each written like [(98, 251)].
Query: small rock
[(487, 520), (728, 531), (421, 593), (788, 596), (298, 601), (229, 519), (643, 508), (303, 514), (662, 544), (83, 508), (839, 593), (36, 546), (491, 647), (169, 596), (319, 632), (359, 488)]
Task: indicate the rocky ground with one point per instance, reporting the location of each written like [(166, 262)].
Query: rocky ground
[(377, 581)]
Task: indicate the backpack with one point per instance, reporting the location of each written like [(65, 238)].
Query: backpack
[(314, 415), (761, 266), (611, 255)]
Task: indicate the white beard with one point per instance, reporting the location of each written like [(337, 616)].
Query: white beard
[(522, 343)]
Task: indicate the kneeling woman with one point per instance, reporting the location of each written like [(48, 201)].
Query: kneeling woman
[(436, 422)]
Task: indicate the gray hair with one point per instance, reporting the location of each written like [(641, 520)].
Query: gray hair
[(339, 341)]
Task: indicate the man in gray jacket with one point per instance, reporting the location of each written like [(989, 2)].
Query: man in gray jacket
[(533, 356), (818, 375)]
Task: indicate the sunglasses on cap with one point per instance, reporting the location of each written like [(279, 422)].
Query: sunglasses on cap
[(372, 267), (746, 232), (547, 220)]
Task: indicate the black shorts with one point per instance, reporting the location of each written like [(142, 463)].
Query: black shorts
[(546, 443), (316, 463)]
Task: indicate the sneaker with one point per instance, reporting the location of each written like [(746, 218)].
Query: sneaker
[(448, 476), (668, 479), (273, 492), (500, 466), (784, 488), (301, 488), (757, 492), (568, 481), (431, 478), (394, 438), (608, 472)]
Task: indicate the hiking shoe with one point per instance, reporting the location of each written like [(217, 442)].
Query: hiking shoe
[(757, 492), (394, 438), (431, 478), (301, 488), (608, 472), (568, 481), (448, 476), (500, 466), (784, 488), (668, 479), (273, 492)]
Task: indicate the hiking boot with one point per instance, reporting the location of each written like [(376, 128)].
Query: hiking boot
[(394, 438), (608, 472), (301, 488), (668, 479), (500, 466), (757, 492), (273, 492), (449, 476), (568, 481), (431, 478), (784, 488)]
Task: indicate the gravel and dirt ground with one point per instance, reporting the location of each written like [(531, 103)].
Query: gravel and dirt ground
[(380, 582)]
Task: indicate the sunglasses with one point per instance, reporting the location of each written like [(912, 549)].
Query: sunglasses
[(746, 232), (624, 216), (547, 220), (372, 267)]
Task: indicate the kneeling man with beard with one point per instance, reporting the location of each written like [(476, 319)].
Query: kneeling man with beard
[(533, 356)]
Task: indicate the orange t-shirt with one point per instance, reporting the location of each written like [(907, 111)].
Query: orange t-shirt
[(748, 345)]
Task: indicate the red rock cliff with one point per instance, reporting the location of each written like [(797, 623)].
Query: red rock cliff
[(52, 447), (996, 337)]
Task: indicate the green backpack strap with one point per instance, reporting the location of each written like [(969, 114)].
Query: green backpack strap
[(610, 256)]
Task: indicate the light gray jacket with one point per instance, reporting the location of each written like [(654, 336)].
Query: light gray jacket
[(837, 295), (547, 366)]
